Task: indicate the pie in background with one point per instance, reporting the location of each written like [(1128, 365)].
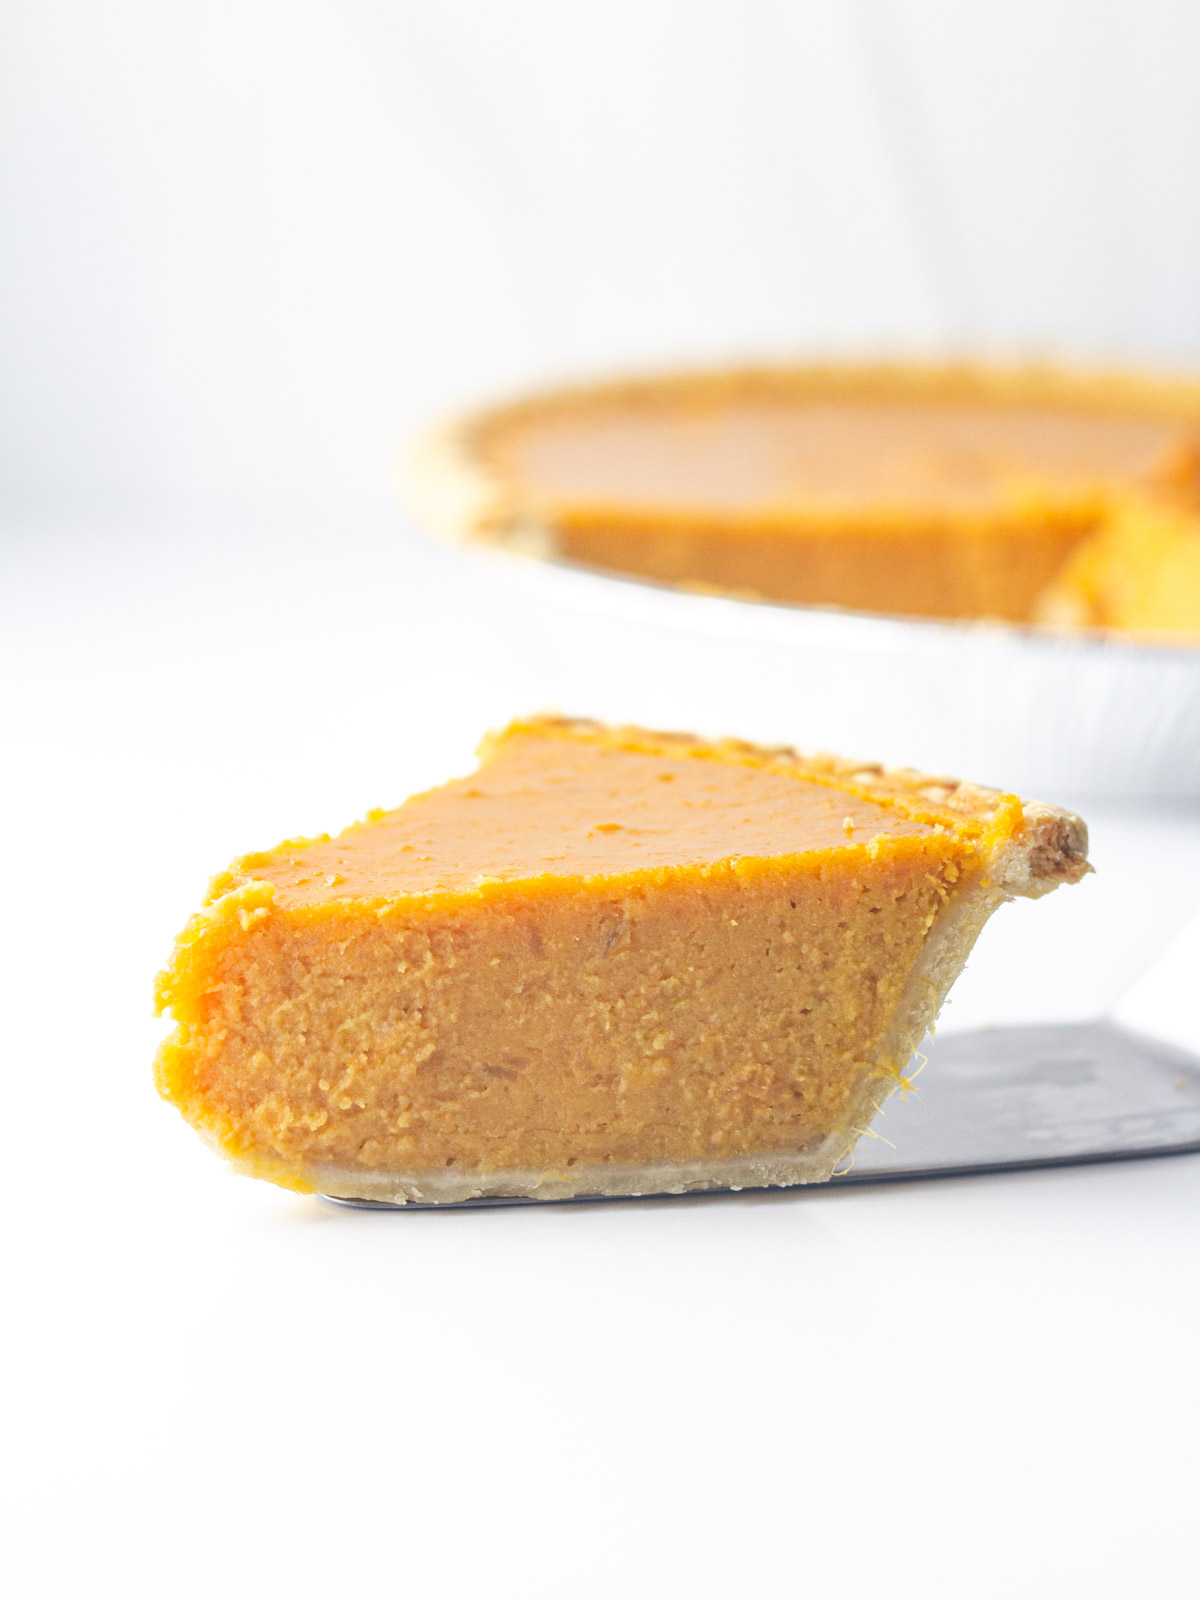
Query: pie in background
[(1139, 572), (934, 491)]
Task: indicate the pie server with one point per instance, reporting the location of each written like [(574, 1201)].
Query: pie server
[(1001, 1100)]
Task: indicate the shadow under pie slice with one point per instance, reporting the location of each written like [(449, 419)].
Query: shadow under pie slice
[(608, 962)]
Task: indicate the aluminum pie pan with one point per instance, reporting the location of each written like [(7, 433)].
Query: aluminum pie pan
[(1043, 712)]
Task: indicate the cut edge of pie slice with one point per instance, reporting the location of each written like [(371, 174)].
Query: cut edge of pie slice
[(1139, 573), (884, 540), (562, 976)]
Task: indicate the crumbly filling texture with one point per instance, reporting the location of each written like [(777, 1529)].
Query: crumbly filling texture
[(725, 1013)]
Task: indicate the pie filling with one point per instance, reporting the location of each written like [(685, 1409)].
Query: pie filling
[(599, 952), (748, 455), (927, 492)]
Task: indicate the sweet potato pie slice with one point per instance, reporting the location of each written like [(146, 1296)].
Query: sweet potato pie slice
[(609, 962)]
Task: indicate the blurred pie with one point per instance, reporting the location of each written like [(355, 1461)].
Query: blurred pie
[(927, 491)]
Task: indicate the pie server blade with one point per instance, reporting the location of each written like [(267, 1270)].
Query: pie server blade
[(999, 1100)]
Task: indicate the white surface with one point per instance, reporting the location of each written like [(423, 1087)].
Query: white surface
[(979, 1388), (247, 242)]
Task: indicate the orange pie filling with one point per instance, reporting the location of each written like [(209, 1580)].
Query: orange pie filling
[(934, 492), (608, 961)]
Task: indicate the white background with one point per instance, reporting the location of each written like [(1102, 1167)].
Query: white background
[(248, 242), (245, 247)]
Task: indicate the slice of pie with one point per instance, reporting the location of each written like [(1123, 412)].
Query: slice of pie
[(934, 491), (609, 962)]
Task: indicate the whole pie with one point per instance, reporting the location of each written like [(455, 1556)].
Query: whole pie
[(608, 962), (934, 491)]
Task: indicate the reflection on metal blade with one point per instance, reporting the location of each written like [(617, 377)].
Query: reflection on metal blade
[(1005, 1100), (1061, 1095)]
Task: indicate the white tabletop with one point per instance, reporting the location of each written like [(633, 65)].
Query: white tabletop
[(967, 1388)]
